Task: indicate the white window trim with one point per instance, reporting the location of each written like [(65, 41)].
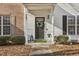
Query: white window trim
[(1, 25), (76, 25)]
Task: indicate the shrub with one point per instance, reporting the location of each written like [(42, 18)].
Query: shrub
[(40, 41), (9, 40), (61, 39), (18, 39), (4, 40)]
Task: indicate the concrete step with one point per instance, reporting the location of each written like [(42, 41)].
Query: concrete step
[(39, 44), (41, 52)]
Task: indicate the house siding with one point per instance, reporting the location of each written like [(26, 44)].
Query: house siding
[(30, 26), (16, 11), (58, 23)]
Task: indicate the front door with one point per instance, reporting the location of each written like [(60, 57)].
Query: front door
[(39, 27)]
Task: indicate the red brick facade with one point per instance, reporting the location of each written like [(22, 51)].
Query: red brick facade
[(16, 11)]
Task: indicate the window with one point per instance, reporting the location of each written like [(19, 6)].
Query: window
[(71, 25), (4, 25), (71, 30), (71, 20)]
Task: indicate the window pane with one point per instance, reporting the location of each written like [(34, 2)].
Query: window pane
[(6, 30), (71, 20), (71, 30), (6, 20), (71, 25), (77, 19)]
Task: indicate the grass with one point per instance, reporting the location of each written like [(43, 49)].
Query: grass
[(39, 41), (39, 48)]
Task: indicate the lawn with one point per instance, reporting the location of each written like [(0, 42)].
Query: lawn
[(65, 50)]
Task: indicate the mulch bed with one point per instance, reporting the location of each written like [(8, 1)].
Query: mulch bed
[(67, 50), (15, 50)]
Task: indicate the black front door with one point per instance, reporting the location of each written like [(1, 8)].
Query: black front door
[(39, 27)]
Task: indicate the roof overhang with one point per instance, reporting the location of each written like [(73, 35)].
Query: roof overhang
[(39, 8)]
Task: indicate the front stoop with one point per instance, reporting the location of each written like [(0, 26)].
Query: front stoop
[(42, 53), (40, 49), (39, 45)]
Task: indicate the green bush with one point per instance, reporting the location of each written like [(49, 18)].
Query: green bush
[(61, 39), (18, 40), (8, 40), (40, 41), (4, 40)]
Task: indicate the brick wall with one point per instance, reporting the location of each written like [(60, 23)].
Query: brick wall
[(16, 11)]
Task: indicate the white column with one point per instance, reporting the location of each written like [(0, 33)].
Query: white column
[(25, 32), (52, 36)]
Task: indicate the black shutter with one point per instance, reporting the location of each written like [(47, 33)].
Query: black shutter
[(64, 24)]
